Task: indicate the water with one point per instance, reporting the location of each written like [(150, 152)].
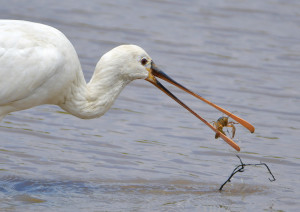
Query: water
[(147, 153)]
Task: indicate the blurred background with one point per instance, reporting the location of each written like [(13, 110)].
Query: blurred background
[(148, 153)]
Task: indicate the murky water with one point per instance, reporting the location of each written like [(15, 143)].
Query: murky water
[(147, 153)]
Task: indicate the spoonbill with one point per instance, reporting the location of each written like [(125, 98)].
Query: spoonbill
[(39, 65)]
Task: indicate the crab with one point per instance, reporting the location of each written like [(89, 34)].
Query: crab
[(223, 122)]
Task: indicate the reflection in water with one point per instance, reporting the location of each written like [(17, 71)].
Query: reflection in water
[(28, 199), (13, 186), (15, 192)]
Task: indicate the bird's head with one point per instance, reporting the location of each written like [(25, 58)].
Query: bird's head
[(132, 62), (128, 62)]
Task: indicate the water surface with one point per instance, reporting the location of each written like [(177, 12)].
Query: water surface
[(147, 153)]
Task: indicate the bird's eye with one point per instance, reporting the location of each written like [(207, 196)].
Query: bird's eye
[(144, 61)]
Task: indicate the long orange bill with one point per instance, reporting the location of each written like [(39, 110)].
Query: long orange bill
[(155, 71)]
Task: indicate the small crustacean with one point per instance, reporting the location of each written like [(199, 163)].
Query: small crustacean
[(223, 122)]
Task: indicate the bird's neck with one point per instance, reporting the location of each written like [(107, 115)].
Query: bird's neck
[(93, 99)]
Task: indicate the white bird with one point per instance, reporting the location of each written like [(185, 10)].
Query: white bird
[(39, 65)]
